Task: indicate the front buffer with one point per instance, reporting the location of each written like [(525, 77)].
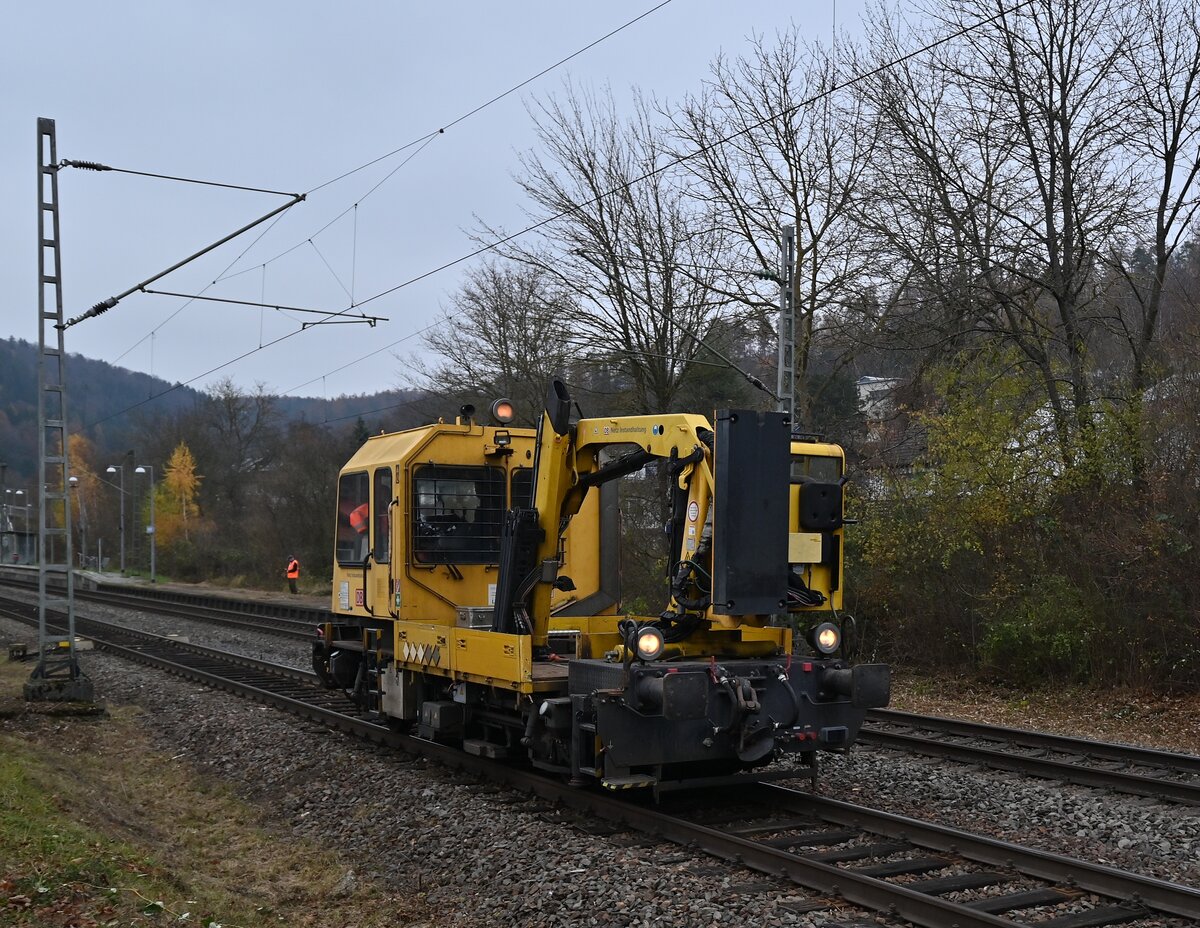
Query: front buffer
[(689, 723)]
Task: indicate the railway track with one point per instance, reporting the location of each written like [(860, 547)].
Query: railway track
[(882, 856), (899, 866), (296, 622), (1161, 775), (1120, 767)]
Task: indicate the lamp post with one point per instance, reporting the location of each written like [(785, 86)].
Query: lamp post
[(4, 539), (28, 544), (120, 469), (150, 529), (74, 482), (16, 504)]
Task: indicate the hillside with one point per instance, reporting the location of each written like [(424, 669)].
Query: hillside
[(108, 404)]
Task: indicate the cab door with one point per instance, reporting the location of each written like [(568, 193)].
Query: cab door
[(363, 542)]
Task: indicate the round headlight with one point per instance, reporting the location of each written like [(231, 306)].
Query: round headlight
[(826, 638), (649, 643), (503, 412)]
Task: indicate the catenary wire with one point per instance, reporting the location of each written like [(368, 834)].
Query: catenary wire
[(205, 289), (185, 383), (336, 370), (422, 141), (674, 162), (495, 99), (428, 137), (225, 275), (829, 91)]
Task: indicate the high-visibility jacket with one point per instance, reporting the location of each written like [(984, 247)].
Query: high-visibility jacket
[(358, 519), (293, 569)]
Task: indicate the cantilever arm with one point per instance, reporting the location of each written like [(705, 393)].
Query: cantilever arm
[(105, 305)]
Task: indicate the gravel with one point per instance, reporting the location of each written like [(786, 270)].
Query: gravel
[(486, 856), (1130, 832)]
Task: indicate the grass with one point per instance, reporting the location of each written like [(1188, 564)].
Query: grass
[(99, 828)]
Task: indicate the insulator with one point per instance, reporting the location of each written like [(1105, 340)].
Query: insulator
[(88, 165)]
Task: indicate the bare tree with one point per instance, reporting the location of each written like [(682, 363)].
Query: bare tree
[(245, 435), (504, 335), (1007, 180), (619, 233), (774, 144), (1163, 141)]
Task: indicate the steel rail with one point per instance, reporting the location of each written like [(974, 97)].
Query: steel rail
[(20, 610), (1079, 774), (1098, 878), (216, 611), (287, 628), (1105, 750)]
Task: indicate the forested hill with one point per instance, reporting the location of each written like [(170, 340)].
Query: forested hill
[(111, 405)]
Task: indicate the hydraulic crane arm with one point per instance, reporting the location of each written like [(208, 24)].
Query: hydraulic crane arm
[(568, 463)]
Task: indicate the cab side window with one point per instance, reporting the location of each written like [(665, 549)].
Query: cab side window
[(383, 499), (457, 511), (820, 482), (522, 488)]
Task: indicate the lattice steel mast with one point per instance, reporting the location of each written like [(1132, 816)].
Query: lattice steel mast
[(57, 675)]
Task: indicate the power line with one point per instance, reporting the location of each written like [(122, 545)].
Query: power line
[(371, 354), (428, 137), (371, 412), (263, 266), (680, 160), (331, 317), (450, 317), (675, 162), (205, 289), (423, 141), (185, 383), (105, 305), (495, 99), (225, 275)]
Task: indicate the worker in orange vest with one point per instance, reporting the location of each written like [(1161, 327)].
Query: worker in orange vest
[(358, 519), (293, 573)]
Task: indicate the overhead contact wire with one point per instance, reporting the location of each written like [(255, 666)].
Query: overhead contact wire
[(428, 137), (675, 162), (425, 139), (371, 354), (206, 288), (486, 248), (185, 383), (224, 275), (495, 99)]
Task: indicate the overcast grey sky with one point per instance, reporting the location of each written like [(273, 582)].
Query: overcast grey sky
[(287, 95)]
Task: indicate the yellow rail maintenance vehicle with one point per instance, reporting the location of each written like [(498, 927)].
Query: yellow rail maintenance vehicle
[(475, 596)]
